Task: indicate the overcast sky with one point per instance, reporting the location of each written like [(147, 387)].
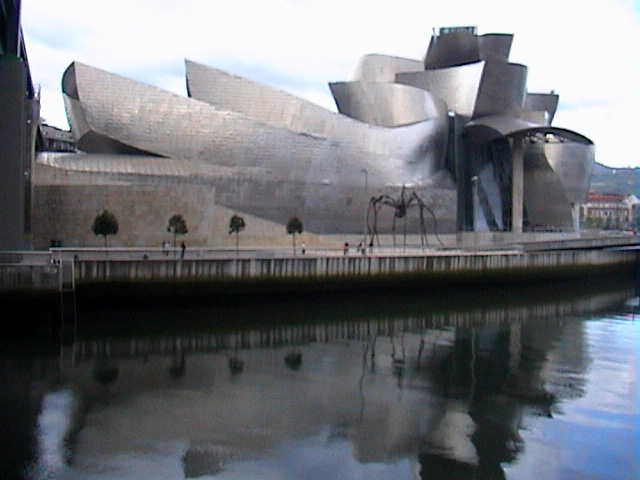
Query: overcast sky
[(587, 51)]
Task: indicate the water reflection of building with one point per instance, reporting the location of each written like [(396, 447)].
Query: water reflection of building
[(23, 381), (450, 390)]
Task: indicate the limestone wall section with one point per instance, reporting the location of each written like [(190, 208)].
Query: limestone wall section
[(65, 213)]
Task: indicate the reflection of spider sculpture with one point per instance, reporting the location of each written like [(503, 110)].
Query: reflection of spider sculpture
[(401, 206)]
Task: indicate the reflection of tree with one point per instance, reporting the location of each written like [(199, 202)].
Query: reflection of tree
[(105, 369), (293, 359), (234, 362), (236, 365), (178, 361), (178, 365), (105, 372)]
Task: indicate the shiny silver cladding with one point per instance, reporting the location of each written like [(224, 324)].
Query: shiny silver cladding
[(271, 154), (461, 46), (545, 199), (283, 165), (545, 103), (572, 163), (383, 68), (502, 90), (476, 89), (457, 86), (388, 104), (257, 101), (495, 47), (454, 48)]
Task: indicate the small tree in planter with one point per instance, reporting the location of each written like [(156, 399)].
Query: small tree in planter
[(105, 224), (177, 226), (236, 225), (294, 225)]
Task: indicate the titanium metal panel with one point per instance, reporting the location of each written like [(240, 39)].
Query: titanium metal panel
[(255, 100), (281, 170), (477, 89), (383, 68), (545, 199), (542, 102), (457, 86), (573, 163), (156, 121), (459, 47), (557, 176), (387, 104), (142, 165), (463, 46), (495, 46), (502, 90), (86, 138)]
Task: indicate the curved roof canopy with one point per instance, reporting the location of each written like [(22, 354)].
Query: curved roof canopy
[(486, 129)]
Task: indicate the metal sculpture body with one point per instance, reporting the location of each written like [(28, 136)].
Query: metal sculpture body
[(400, 206)]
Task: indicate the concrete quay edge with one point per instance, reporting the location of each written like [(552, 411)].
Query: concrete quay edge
[(244, 274)]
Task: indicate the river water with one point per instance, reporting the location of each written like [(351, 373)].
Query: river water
[(493, 384)]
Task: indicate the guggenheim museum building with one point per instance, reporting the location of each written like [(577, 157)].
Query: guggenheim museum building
[(449, 143)]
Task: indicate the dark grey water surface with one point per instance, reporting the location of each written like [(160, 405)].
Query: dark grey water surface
[(486, 386)]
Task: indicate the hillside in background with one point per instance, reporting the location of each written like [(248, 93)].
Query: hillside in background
[(623, 181)]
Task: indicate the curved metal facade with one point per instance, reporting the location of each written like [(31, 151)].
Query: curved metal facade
[(284, 163), (430, 126), (383, 68), (457, 86), (387, 104), (257, 101)]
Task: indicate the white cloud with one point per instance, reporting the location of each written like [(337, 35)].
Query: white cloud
[(585, 50)]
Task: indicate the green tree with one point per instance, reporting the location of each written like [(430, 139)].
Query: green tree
[(105, 224), (236, 225), (294, 225), (177, 226)]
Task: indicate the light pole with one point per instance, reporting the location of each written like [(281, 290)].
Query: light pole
[(474, 194), (366, 198)]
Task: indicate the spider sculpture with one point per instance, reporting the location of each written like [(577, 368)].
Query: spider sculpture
[(401, 206)]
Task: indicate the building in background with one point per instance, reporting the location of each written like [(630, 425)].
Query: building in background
[(53, 139), (611, 212)]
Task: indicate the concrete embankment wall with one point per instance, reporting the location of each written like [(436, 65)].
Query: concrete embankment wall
[(162, 278), (264, 276), (303, 266)]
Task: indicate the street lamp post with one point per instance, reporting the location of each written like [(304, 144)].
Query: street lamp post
[(366, 198), (474, 195)]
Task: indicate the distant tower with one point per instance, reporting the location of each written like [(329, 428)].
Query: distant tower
[(18, 125)]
